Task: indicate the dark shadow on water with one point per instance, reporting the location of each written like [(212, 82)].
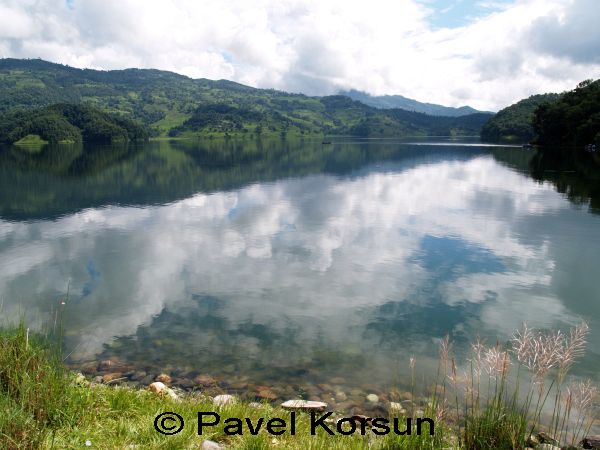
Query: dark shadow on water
[(63, 179), (573, 172)]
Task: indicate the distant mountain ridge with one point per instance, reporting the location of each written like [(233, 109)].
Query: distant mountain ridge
[(173, 105), (408, 104)]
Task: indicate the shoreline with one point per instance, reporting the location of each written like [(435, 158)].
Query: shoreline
[(338, 393), (50, 406)]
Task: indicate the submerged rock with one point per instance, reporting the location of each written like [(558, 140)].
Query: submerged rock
[(341, 396), (372, 398), (111, 364), (396, 407), (324, 387), (90, 368), (265, 393), (376, 410), (304, 405), (205, 380), (185, 383), (239, 385), (164, 378), (356, 393), (147, 380), (109, 377)]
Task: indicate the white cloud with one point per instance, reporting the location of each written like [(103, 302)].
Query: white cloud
[(381, 46)]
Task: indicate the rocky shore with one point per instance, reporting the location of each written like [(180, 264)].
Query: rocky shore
[(347, 401), (338, 394)]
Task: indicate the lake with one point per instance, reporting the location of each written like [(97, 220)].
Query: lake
[(292, 264)]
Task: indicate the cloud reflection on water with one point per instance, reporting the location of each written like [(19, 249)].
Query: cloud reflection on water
[(324, 256)]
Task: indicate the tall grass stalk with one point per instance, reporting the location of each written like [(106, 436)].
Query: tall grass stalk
[(499, 416)]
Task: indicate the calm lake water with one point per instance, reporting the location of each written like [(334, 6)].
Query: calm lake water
[(295, 262)]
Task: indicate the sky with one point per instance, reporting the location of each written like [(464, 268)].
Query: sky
[(483, 53)]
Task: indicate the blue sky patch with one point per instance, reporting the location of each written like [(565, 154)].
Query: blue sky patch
[(457, 13), (448, 258)]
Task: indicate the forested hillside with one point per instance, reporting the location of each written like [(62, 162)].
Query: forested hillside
[(573, 120), (515, 123), (330, 115), (68, 123), (174, 105)]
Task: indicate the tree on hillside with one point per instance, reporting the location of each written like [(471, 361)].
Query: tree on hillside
[(574, 120), (515, 123)]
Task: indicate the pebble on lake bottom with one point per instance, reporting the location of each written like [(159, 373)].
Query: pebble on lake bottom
[(373, 398)]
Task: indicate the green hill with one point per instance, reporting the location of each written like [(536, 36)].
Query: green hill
[(67, 123), (515, 123), (174, 105), (572, 120), (336, 115)]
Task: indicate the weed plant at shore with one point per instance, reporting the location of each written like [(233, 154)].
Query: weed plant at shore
[(490, 410), (503, 397)]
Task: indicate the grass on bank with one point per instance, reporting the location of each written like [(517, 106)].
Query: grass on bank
[(477, 407), (45, 406)]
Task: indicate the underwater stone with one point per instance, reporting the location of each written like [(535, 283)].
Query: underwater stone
[(111, 377), (164, 378), (372, 398)]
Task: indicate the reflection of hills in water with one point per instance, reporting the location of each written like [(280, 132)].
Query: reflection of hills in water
[(574, 173), (63, 179)]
